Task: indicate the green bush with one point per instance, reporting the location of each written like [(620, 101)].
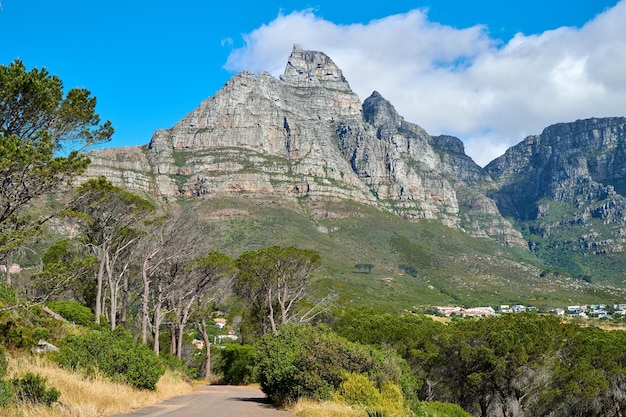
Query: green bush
[(115, 354), (440, 409), (31, 388), (6, 393), (73, 311), (7, 294), (306, 361), (4, 363), (358, 390), (236, 364)]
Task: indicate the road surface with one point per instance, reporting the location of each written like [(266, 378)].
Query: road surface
[(214, 401)]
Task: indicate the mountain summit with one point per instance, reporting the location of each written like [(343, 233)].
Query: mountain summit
[(308, 137)]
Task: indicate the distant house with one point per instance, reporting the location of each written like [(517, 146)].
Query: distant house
[(220, 322), (478, 312), (557, 311), (199, 344), (14, 269), (504, 309), (448, 310), (519, 309)]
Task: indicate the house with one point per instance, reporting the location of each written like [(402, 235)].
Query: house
[(447, 310), (14, 269), (220, 322), (478, 312), (199, 344), (519, 308), (557, 311), (504, 309)]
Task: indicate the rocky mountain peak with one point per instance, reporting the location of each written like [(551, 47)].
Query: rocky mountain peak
[(379, 112), (313, 68)]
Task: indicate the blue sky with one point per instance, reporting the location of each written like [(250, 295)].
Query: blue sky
[(525, 65)]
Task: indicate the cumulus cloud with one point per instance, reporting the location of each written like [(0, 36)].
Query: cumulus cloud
[(456, 81)]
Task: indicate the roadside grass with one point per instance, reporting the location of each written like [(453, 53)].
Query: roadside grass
[(89, 396), (311, 408)]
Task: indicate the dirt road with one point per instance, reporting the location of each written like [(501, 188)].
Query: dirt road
[(214, 401)]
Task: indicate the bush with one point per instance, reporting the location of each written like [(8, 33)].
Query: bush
[(31, 388), (4, 363), (236, 364), (6, 393), (305, 361), (440, 409), (358, 390), (7, 294), (115, 354), (73, 311)]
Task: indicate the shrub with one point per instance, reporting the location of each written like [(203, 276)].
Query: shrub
[(306, 361), (6, 393), (440, 409), (31, 388), (115, 354), (358, 390), (236, 364), (4, 363), (7, 294), (73, 311)]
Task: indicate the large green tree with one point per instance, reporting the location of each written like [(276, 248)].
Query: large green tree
[(42, 134)]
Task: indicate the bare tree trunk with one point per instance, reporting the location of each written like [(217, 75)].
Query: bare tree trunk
[(157, 322), (201, 326), (99, 278), (9, 264), (173, 340), (270, 316), (145, 297), (124, 301)]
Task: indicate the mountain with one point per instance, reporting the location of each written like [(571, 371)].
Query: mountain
[(566, 190), (307, 137), (300, 160)]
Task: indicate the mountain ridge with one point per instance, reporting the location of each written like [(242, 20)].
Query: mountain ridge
[(307, 140)]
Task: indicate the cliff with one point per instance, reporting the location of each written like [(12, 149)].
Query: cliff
[(306, 137)]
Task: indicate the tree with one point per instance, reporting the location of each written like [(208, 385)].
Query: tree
[(110, 217), (280, 275), (37, 124), (205, 280)]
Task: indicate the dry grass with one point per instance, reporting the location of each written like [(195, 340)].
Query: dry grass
[(90, 397), (311, 408)]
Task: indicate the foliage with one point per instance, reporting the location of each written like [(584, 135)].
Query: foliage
[(6, 393), (31, 388), (273, 281), (440, 409), (236, 364), (307, 361), (68, 271), (115, 354), (73, 311), (7, 294), (357, 389), (364, 268), (36, 122)]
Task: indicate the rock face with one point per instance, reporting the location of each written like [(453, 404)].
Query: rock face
[(307, 136), (568, 185)]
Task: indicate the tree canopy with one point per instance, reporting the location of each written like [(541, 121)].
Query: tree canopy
[(42, 133)]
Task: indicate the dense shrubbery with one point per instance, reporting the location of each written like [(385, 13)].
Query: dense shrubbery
[(305, 361), (517, 365), (235, 363), (115, 354), (73, 311)]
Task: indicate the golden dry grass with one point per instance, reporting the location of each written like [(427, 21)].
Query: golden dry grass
[(311, 408), (89, 397)]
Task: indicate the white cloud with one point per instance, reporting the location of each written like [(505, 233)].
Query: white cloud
[(461, 81)]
